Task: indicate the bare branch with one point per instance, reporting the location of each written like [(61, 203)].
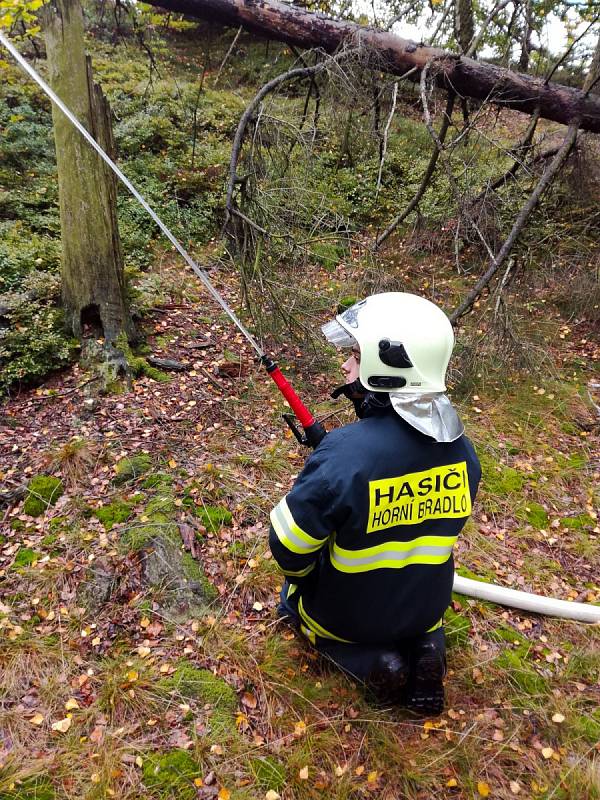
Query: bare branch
[(386, 131), (519, 223)]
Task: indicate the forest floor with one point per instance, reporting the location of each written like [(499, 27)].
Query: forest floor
[(227, 701), (110, 687)]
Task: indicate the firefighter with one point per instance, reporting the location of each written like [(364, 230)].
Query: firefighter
[(365, 536)]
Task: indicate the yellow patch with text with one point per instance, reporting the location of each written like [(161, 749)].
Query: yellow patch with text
[(437, 493)]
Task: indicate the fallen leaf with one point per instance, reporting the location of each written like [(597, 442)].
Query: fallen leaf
[(300, 728), (515, 787), (558, 718), (257, 606), (132, 676), (452, 783), (37, 719), (359, 770), (71, 704), (547, 752), (272, 795), (62, 725), (303, 774), (224, 794), (249, 700), (483, 789), (372, 776), (94, 777)]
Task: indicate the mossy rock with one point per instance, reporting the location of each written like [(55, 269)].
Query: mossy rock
[(137, 537), (132, 467), (191, 682), (116, 512), (171, 775), (43, 492), (162, 506), (268, 773), (25, 558), (213, 517)]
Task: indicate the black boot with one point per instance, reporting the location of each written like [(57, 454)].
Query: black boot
[(425, 691), (389, 677)]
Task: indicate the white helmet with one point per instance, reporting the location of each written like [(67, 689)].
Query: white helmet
[(405, 342)]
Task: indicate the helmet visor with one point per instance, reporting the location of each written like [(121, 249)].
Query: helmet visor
[(335, 334)]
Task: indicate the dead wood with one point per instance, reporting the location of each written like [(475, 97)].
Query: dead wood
[(465, 76)]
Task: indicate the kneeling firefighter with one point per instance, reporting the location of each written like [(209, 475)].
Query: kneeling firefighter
[(365, 536)]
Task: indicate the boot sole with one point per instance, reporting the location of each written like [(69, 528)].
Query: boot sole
[(426, 695)]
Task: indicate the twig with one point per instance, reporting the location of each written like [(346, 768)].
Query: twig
[(227, 54), (386, 131), (519, 223), (426, 177), (476, 40)]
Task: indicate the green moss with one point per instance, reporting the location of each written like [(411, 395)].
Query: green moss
[(132, 467), (157, 479), (536, 515), (268, 772), (586, 726), (521, 674), (26, 557), (43, 492), (17, 525), (37, 788), (213, 517), (118, 511), (580, 521), (191, 682), (194, 572), (170, 775), (49, 540), (162, 506), (136, 537), (138, 364), (58, 523), (457, 628)]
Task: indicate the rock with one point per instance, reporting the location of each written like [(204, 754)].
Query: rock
[(132, 467), (90, 404)]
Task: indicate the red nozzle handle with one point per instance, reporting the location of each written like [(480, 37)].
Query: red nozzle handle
[(305, 418)]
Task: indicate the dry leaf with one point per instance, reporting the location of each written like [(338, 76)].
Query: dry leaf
[(300, 728), (224, 794), (62, 725), (272, 795), (132, 676), (37, 719), (483, 788), (452, 783), (359, 770), (257, 606), (558, 718), (303, 774), (547, 752), (94, 777), (515, 787), (372, 776), (249, 700), (71, 704)]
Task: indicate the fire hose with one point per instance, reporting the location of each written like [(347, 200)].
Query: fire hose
[(313, 430)]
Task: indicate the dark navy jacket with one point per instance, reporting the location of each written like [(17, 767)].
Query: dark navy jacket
[(367, 530)]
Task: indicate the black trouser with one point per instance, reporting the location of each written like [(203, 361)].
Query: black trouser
[(357, 660)]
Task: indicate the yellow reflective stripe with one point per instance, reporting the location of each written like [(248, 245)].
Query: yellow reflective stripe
[(289, 533), (393, 555), (319, 628), (291, 589), (437, 625), (300, 573), (309, 634)]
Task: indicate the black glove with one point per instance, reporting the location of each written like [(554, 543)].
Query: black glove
[(355, 392)]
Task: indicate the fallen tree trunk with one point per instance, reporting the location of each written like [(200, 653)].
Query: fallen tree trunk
[(465, 76)]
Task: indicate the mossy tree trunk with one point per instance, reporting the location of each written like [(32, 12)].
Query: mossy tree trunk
[(93, 286)]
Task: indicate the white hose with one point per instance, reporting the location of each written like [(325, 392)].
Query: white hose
[(582, 612)]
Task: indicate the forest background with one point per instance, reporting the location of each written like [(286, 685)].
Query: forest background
[(137, 620)]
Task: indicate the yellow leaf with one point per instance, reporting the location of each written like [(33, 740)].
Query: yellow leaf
[(558, 718), (138, 761), (144, 622), (272, 795), (359, 770), (372, 776), (483, 789), (95, 778), (71, 704), (198, 782), (37, 719), (300, 728), (303, 774), (132, 676), (62, 725), (224, 794), (547, 752), (515, 787), (452, 783), (173, 464)]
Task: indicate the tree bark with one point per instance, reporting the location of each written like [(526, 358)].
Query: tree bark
[(93, 287), (465, 76)]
